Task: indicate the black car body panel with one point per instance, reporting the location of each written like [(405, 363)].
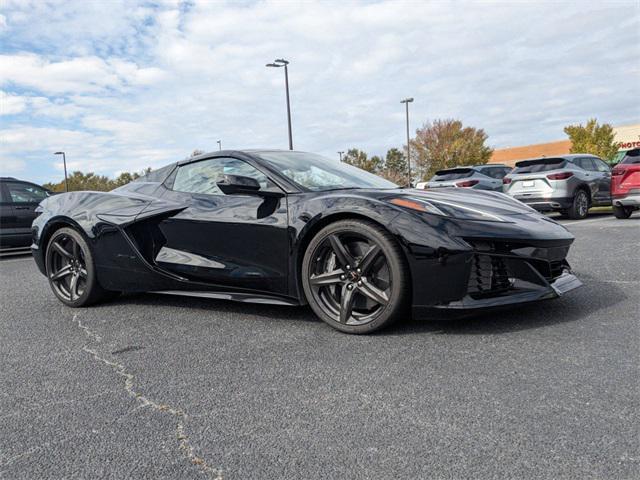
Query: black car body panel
[(146, 236)]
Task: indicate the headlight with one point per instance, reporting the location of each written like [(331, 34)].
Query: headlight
[(445, 209)]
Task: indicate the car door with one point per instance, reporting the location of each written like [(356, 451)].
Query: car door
[(603, 173), (8, 219), (24, 198), (588, 175), (236, 240)]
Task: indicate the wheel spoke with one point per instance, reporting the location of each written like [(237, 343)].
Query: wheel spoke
[(328, 278), (63, 272), (61, 250), (343, 255), (373, 292), (76, 249), (73, 287), (368, 259), (346, 303)]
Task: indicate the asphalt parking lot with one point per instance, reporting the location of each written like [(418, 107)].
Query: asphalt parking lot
[(168, 387)]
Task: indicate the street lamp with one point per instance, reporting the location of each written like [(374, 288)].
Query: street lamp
[(64, 162), (340, 153), (406, 102), (281, 62), (219, 142)]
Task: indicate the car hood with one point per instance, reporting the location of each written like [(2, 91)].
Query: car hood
[(491, 202)]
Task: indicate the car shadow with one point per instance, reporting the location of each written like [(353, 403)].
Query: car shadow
[(593, 296)]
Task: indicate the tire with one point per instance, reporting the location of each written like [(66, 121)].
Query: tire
[(580, 205), (622, 212), (355, 276), (71, 270)]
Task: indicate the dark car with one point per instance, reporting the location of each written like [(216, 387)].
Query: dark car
[(480, 177), (293, 228), (18, 202)]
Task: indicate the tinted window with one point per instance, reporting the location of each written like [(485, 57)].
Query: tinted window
[(632, 156), (496, 172), (601, 166), (26, 193), (451, 175), (317, 173), (203, 176), (585, 163), (541, 165)]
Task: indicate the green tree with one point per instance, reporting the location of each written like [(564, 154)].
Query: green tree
[(90, 181), (445, 144), (395, 167), (593, 138), (360, 159)]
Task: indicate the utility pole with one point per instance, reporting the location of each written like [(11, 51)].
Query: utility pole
[(406, 102), (281, 62), (64, 162)]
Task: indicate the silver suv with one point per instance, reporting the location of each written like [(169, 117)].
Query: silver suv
[(481, 177), (570, 184)]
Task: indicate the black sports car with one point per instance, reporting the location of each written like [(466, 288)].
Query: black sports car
[(293, 228)]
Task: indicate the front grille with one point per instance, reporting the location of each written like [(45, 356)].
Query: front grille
[(489, 276)]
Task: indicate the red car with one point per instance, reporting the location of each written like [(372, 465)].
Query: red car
[(625, 184)]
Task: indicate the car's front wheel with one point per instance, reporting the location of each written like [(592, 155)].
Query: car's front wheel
[(580, 206), (71, 270), (355, 277), (622, 212)]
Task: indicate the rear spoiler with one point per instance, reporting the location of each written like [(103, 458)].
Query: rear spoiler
[(540, 161), (454, 170)]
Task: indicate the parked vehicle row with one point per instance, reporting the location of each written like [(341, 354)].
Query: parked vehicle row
[(569, 184)]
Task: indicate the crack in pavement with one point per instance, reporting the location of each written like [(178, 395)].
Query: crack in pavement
[(184, 444)]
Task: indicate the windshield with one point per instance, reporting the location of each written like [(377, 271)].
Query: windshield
[(445, 175), (632, 156), (317, 173), (540, 165)]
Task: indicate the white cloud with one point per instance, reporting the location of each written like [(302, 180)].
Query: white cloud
[(11, 104)]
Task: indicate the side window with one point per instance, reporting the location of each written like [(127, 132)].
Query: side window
[(601, 166), (584, 163), (25, 193), (202, 177)]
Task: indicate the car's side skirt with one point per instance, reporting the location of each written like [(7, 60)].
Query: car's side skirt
[(234, 296)]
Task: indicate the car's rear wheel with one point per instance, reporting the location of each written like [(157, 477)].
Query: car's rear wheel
[(71, 270), (580, 206), (622, 212), (355, 277)]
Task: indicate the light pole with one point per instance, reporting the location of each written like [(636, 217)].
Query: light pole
[(64, 162), (406, 102), (340, 153), (281, 62), (219, 142)]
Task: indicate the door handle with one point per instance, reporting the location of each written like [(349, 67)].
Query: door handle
[(22, 208)]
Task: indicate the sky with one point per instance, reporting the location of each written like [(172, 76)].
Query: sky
[(121, 85)]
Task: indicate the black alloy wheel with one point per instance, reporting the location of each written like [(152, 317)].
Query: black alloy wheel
[(354, 276), (71, 271)]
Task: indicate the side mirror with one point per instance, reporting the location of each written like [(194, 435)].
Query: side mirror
[(230, 184)]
